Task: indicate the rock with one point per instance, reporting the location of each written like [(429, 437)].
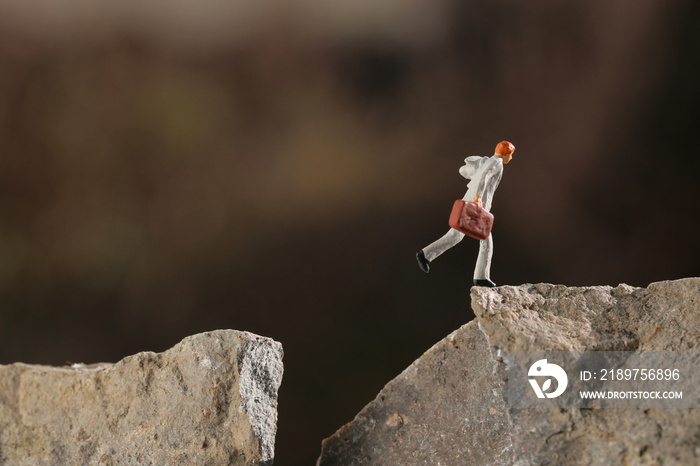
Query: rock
[(451, 406), (446, 408), (663, 316), (211, 399)]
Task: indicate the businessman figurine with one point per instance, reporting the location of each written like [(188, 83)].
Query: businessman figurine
[(484, 174)]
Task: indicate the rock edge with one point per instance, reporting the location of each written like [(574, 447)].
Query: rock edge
[(210, 399), (450, 407)]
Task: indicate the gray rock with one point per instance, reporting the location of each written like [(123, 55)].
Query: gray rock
[(451, 405), (446, 408), (663, 316), (211, 399)]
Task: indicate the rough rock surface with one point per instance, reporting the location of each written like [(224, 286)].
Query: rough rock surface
[(211, 399), (449, 407)]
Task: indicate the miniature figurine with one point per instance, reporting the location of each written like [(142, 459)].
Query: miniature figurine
[(484, 174)]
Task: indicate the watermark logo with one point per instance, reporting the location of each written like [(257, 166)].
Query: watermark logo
[(602, 379), (542, 368)]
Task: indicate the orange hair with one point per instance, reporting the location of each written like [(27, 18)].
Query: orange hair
[(504, 148)]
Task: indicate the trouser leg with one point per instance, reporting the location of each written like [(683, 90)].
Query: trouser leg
[(452, 237), (483, 262)]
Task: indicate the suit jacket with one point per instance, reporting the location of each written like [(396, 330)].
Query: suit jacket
[(484, 174)]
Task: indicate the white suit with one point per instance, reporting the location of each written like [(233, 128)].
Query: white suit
[(484, 174)]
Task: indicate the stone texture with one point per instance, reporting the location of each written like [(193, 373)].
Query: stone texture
[(211, 399), (444, 409), (663, 316), (449, 407)]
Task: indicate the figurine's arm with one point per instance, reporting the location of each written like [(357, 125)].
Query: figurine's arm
[(489, 182), (470, 165)]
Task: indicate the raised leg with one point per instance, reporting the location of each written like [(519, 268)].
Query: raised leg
[(450, 239)]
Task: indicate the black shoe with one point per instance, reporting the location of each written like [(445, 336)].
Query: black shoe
[(423, 263), (484, 282)]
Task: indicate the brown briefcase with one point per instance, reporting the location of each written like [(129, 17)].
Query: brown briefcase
[(471, 219)]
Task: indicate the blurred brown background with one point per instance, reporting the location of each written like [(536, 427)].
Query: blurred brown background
[(172, 167)]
